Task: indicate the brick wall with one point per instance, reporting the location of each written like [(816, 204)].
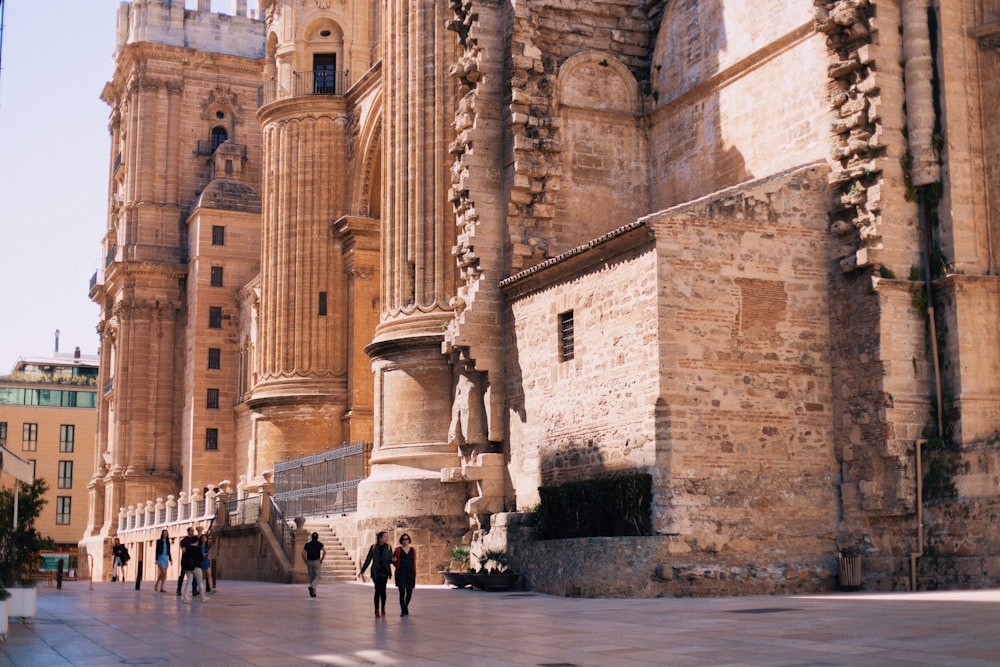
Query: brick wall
[(734, 418)]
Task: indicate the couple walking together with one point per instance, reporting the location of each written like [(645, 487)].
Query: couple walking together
[(404, 559)]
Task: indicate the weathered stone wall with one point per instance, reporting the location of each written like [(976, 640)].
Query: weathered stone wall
[(734, 419), (593, 414), (724, 106), (248, 553), (967, 62), (650, 566), (544, 36), (962, 546), (989, 63), (657, 566), (744, 351)]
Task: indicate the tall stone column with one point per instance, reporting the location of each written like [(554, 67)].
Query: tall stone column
[(302, 361), (413, 379), (301, 394)]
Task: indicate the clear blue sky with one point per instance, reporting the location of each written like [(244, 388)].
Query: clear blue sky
[(54, 147), (53, 171)]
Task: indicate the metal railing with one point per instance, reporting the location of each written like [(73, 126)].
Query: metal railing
[(282, 531), (324, 483), (243, 511), (141, 252), (208, 147), (315, 82)]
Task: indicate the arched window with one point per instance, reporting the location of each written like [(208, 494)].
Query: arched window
[(219, 136)]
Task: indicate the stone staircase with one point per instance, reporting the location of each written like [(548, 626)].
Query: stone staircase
[(338, 565)]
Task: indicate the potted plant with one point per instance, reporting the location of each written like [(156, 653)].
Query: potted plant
[(493, 573), (457, 570), (19, 547)]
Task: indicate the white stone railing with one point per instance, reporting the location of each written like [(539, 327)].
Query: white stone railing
[(196, 507)]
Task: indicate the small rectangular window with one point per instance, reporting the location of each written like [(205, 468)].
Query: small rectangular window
[(65, 475), (214, 358), (211, 438), (215, 317), (212, 401), (64, 510), (67, 436), (218, 235), (29, 438), (566, 336), (322, 304), (216, 276), (3, 433)]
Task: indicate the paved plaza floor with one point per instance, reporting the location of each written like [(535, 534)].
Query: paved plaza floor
[(250, 623)]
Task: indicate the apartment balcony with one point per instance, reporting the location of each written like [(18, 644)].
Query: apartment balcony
[(304, 84)]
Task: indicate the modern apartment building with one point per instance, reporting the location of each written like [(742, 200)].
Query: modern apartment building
[(48, 416)]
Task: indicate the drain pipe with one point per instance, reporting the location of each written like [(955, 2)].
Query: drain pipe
[(920, 516), (925, 169)]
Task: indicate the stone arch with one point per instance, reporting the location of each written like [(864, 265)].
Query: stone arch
[(684, 51), (596, 80), (366, 198), (270, 56), (221, 114), (604, 181), (322, 35)]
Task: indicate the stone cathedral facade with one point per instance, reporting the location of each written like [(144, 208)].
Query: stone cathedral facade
[(751, 248)]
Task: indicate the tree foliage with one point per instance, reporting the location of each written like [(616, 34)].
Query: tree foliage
[(19, 548)]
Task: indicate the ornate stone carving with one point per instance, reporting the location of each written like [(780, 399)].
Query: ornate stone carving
[(468, 411), (989, 42), (219, 97), (321, 4)]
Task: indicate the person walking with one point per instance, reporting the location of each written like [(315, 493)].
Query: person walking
[(405, 560), (380, 558), (119, 552), (206, 564), (185, 543), (163, 560), (313, 554), (191, 568)]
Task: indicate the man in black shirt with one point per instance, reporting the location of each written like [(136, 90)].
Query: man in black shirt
[(313, 554)]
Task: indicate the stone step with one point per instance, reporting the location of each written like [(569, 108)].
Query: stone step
[(338, 565)]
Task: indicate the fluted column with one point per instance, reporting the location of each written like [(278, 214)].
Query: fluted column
[(301, 395), (300, 258), (419, 272), (413, 379)]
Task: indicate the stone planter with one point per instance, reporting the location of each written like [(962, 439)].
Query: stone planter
[(456, 579), (22, 603), (492, 582)]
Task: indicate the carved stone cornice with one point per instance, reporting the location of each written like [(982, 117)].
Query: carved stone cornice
[(126, 311), (361, 273), (320, 4)]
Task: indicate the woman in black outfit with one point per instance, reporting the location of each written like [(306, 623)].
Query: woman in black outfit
[(405, 560), (380, 558)]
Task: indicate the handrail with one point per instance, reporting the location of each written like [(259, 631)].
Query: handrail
[(281, 530), (314, 82)]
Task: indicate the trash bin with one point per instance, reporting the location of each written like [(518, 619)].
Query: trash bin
[(849, 570)]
